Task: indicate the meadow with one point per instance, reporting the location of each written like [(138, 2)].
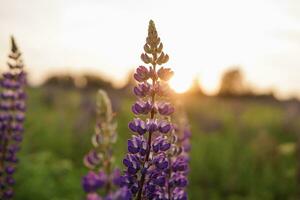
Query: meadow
[(220, 121), (242, 148)]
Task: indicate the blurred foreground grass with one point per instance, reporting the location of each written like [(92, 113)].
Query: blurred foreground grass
[(241, 149)]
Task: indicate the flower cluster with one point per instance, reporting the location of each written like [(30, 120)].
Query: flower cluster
[(179, 156), (150, 173), (12, 115), (99, 160)]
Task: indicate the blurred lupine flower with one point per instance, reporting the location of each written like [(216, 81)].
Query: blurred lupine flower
[(12, 116), (182, 130), (92, 181), (100, 159), (179, 156), (148, 161)]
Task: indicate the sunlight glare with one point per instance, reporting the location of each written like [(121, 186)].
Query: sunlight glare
[(180, 84)]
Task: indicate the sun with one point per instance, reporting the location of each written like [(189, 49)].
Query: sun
[(180, 84)]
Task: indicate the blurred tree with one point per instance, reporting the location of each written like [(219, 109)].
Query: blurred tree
[(82, 81), (232, 83), (93, 81), (65, 81), (195, 88)]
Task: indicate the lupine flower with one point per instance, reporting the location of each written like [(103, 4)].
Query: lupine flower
[(165, 73), (141, 90), (92, 181), (141, 107), (142, 74), (182, 130), (100, 159), (147, 162), (179, 157), (12, 116)]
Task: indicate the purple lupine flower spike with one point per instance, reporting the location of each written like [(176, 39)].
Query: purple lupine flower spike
[(147, 162), (100, 160), (179, 156), (12, 116)]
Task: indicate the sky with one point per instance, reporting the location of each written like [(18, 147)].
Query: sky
[(202, 38)]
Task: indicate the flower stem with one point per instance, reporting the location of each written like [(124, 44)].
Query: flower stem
[(108, 170), (152, 114)]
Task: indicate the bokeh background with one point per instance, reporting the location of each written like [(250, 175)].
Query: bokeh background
[(236, 69)]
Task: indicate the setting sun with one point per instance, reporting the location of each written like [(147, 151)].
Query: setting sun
[(180, 84)]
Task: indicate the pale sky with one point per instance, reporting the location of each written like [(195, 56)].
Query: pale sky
[(203, 38)]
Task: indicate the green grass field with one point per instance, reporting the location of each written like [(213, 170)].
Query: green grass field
[(241, 149)]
